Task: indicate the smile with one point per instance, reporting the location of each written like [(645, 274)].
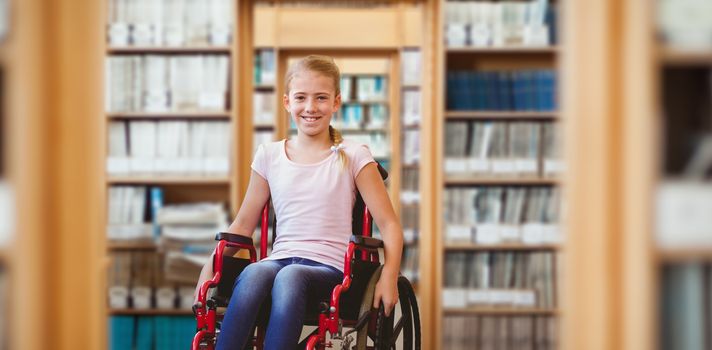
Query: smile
[(311, 119)]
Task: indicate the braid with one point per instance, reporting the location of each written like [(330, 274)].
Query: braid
[(336, 139)]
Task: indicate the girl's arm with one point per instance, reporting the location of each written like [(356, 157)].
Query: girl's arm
[(247, 218), (373, 190)]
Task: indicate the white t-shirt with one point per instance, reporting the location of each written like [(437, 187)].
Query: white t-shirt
[(312, 202)]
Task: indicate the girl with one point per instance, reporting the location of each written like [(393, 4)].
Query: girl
[(312, 180)]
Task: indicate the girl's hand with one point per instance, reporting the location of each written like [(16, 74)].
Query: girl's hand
[(386, 291)]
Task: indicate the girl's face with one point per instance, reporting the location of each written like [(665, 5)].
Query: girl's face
[(311, 102)]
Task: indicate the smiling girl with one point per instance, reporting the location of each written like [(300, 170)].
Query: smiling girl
[(312, 180)]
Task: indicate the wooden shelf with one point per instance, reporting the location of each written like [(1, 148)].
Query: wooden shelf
[(263, 126), (131, 246), (173, 180), (504, 246), (151, 312), (507, 115), (169, 50), (505, 50), (499, 311), (677, 255), (410, 86), (685, 57), (263, 87), (474, 181), (169, 115)]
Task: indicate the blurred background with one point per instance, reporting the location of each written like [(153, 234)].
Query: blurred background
[(549, 160)]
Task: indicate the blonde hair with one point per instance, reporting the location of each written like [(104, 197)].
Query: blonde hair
[(323, 65)]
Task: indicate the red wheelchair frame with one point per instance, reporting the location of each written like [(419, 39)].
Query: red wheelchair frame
[(206, 314)]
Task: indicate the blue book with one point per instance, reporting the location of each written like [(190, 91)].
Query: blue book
[(492, 103), (515, 76), (450, 90), (504, 91), (553, 90), (156, 205), (529, 90), (481, 91), (145, 333), (462, 90), (121, 332), (540, 90), (469, 97)]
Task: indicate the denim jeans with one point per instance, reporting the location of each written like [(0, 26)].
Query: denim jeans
[(292, 283)]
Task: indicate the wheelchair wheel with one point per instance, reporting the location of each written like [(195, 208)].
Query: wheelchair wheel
[(401, 330)]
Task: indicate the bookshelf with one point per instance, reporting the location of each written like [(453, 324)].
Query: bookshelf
[(681, 68), (495, 91), (187, 113)]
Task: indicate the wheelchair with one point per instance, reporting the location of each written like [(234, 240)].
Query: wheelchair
[(350, 305)]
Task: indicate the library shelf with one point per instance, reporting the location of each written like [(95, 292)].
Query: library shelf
[(675, 56), (151, 312), (506, 115), (170, 115), (263, 126), (169, 50), (169, 180), (505, 49), (118, 245), (503, 247), (497, 311), (263, 87), (410, 86), (504, 181), (682, 255)]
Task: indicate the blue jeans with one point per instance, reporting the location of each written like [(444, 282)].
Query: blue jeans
[(292, 282)]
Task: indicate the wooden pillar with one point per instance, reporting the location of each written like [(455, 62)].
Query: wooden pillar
[(605, 84)]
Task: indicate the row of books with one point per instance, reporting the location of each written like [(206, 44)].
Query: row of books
[(150, 332), (140, 280), (170, 23), (500, 279), (169, 147), (356, 116), (263, 105), (685, 23), (264, 67), (487, 23), (685, 301), (167, 83), (410, 218), (364, 88), (411, 67), (494, 215), (500, 333), (410, 112), (502, 148), (511, 90)]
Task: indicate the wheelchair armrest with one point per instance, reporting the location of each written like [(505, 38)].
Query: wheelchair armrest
[(366, 242), (234, 238)]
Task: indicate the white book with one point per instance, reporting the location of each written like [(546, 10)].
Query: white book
[(219, 22), (143, 146), (156, 94), (196, 26), (173, 22), (196, 146)]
